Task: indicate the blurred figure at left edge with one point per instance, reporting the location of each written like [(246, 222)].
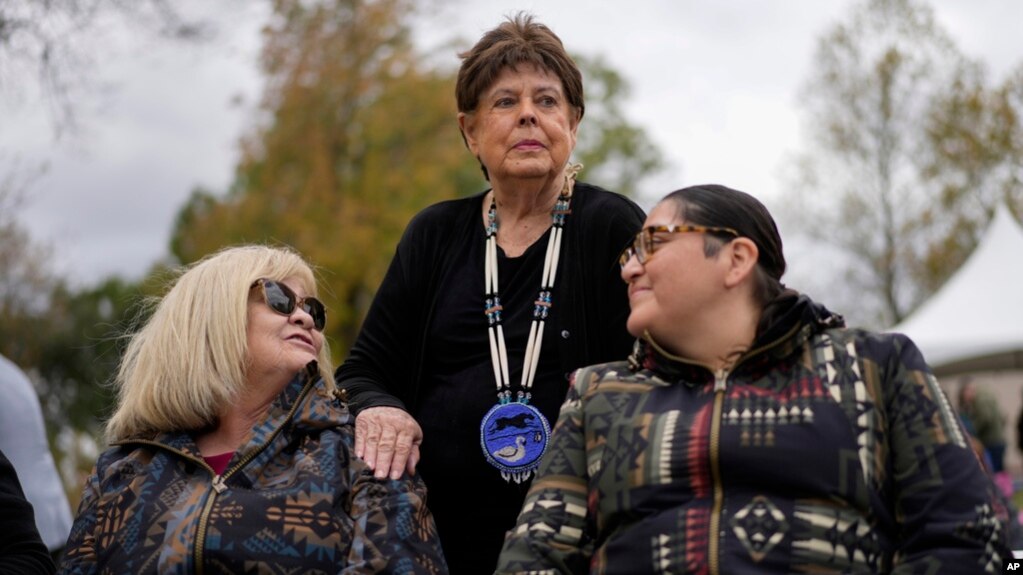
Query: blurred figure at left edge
[(23, 441), (21, 549)]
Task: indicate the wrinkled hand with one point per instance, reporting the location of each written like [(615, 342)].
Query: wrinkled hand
[(388, 439)]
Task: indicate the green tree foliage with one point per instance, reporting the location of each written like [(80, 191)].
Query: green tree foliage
[(360, 134), (79, 358), (77, 349), (974, 163), (860, 188)]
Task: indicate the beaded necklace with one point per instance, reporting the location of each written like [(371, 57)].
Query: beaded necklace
[(514, 435)]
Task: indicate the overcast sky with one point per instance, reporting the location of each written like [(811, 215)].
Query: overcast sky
[(715, 84)]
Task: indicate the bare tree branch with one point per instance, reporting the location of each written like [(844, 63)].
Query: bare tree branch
[(46, 46)]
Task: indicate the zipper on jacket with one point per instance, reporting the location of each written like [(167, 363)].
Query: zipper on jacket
[(720, 387), (204, 522), (714, 542), (717, 485), (219, 481)]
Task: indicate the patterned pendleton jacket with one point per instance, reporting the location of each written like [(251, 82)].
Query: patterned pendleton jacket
[(824, 450), (292, 500)]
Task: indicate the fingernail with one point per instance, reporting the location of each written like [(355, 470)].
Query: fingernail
[(395, 474)]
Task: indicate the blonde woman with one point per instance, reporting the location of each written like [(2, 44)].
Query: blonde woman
[(231, 450)]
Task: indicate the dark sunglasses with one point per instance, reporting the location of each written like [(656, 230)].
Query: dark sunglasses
[(282, 300), (643, 245)]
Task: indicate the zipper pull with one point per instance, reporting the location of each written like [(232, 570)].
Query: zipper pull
[(218, 484), (720, 380)]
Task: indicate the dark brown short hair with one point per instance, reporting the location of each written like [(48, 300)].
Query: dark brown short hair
[(518, 40)]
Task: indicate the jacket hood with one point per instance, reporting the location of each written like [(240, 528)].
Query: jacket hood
[(792, 308)]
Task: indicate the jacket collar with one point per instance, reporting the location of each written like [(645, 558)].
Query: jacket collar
[(785, 325), (303, 406)]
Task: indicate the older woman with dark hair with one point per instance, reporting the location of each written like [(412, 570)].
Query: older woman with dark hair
[(492, 300), (232, 448), (750, 431)]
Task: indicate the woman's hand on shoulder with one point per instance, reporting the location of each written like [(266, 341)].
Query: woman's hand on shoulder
[(388, 439)]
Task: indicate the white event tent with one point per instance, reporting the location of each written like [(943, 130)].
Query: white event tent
[(975, 321)]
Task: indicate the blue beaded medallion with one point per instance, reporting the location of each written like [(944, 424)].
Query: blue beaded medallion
[(514, 436)]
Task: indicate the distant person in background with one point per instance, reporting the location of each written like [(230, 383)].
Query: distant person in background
[(1019, 431), (986, 421), (23, 440), (21, 550)]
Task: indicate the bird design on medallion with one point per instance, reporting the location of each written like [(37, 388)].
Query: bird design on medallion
[(514, 436), (513, 453)]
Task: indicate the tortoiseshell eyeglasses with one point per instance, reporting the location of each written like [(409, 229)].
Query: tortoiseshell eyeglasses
[(644, 245)]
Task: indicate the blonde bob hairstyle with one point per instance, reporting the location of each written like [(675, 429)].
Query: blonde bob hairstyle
[(189, 360)]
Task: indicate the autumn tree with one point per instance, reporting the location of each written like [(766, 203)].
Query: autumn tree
[(360, 133), (859, 186), (973, 160)]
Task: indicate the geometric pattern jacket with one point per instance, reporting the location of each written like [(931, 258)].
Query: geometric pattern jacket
[(294, 499), (823, 450)]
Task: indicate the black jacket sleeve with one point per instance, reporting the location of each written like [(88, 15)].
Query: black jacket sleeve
[(21, 549)]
